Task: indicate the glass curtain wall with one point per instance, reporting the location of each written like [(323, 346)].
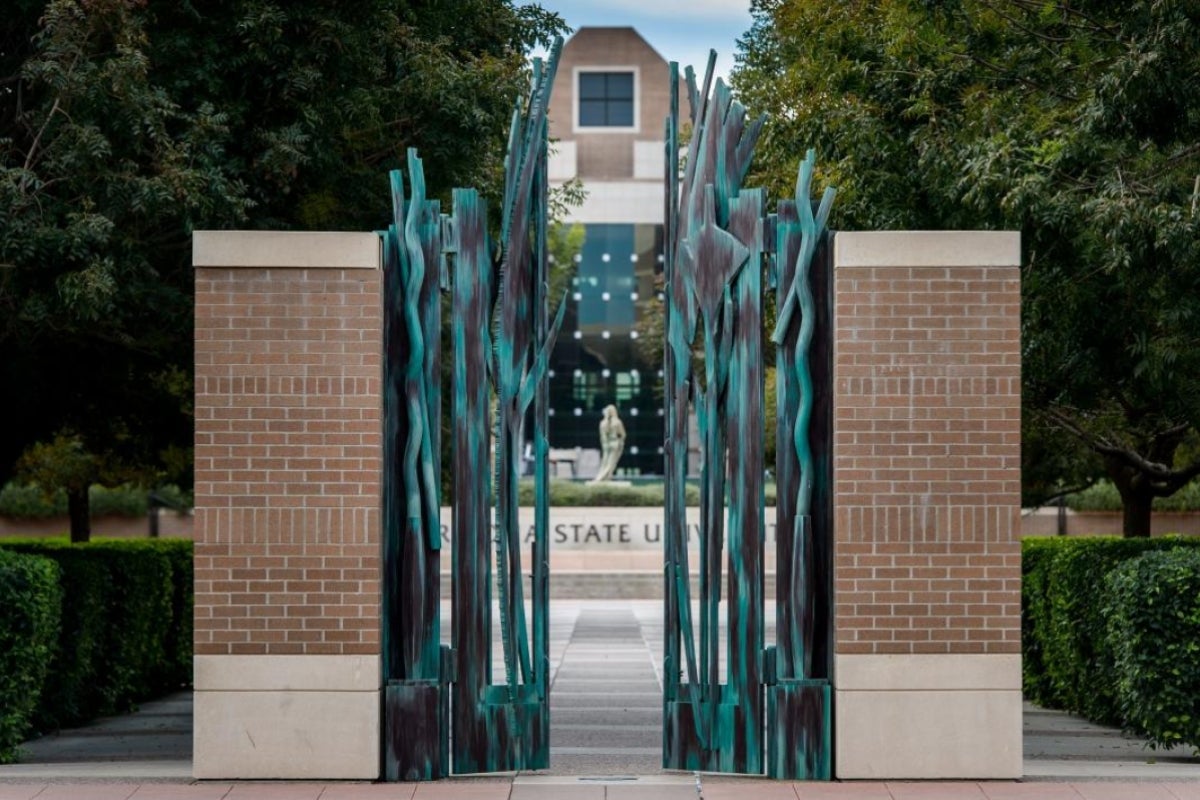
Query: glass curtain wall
[(595, 362)]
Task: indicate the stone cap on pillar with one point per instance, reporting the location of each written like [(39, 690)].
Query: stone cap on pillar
[(927, 249), (286, 249)]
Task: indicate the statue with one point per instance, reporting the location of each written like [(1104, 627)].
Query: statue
[(612, 444)]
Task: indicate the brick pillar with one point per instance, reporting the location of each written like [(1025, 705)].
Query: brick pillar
[(288, 457), (927, 671)]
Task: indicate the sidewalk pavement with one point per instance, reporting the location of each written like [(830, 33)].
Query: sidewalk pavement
[(665, 787), (147, 755)]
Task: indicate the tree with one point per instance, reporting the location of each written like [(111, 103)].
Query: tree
[(64, 463), (127, 124), (102, 176), (325, 98), (1076, 124)]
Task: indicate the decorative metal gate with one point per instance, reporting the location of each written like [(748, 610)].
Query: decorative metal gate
[(723, 251), (721, 246), (502, 338)]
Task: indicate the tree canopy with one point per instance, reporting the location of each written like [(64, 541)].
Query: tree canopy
[(127, 124), (1077, 124)]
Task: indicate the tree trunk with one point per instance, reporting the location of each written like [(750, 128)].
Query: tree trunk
[(1137, 498), (79, 510), (1135, 516)]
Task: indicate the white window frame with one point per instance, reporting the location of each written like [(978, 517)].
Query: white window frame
[(637, 99)]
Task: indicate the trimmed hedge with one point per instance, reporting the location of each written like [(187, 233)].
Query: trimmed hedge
[(32, 601), (1154, 632), (125, 631), (176, 669), (642, 494), (1103, 496), (1069, 658), (1035, 554), (29, 501)]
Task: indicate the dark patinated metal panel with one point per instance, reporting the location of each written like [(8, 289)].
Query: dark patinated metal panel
[(503, 335), (799, 721), (414, 746), (471, 528), (799, 743), (715, 260), (413, 713)]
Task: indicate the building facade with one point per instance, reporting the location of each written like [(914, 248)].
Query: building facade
[(607, 115)]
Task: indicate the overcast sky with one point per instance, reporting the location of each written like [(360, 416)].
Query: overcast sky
[(680, 30)]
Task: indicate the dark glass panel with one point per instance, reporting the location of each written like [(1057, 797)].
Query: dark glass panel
[(620, 86), (593, 85), (620, 113), (592, 113)]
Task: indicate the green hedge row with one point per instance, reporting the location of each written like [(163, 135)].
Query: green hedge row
[(29, 501), (125, 629), (1110, 632), (31, 597), (648, 493), (1154, 628), (1103, 496)]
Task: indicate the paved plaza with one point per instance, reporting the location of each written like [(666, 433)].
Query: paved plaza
[(606, 738)]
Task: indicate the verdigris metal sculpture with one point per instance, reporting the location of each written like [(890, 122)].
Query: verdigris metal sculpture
[(506, 727), (713, 278), (412, 658), (798, 701), (502, 338), (719, 244)]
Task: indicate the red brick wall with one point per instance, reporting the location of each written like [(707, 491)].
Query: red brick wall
[(288, 445), (608, 155), (927, 459)]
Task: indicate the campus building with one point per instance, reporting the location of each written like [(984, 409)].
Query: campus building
[(607, 112)]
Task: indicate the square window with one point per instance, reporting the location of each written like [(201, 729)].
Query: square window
[(606, 99)]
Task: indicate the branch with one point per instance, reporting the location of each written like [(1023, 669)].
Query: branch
[(1059, 495), (997, 69), (1094, 25), (38, 138), (53, 109), (1151, 469), (1056, 40), (1180, 479), (1170, 161)]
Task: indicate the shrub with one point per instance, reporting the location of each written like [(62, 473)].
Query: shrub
[(574, 493), (125, 624), (176, 669), (174, 497), (1103, 496), (121, 501), (1079, 666), (69, 696), (1035, 618), (32, 601), (29, 501), (1154, 636), (1067, 659), (139, 608)]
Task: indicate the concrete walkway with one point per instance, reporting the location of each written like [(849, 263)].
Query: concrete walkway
[(606, 733), (683, 787)]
